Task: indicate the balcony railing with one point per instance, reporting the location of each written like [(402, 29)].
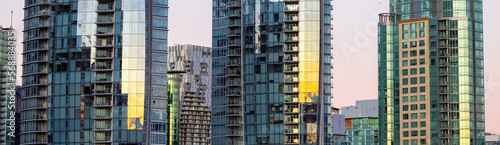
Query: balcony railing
[(291, 68), (291, 79), (291, 58), (291, 18), (104, 42), (290, 48), (292, 38), (104, 30), (105, 19), (100, 54), (235, 52), (292, 130), (292, 99), (105, 7), (234, 72)]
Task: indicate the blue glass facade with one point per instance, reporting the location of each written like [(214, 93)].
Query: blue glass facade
[(274, 56), (86, 72)]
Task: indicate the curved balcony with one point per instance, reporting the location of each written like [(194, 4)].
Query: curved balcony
[(234, 93), (40, 13), (37, 3), (233, 4), (40, 59), (39, 25)]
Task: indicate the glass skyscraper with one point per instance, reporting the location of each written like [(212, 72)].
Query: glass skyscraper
[(431, 76), (86, 73), (271, 79), (7, 85)]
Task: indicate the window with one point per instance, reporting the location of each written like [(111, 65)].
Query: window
[(414, 98), (421, 61), (405, 133), (422, 70), (422, 123), (405, 116), (413, 71), (405, 99), (421, 52), (414, 90), (414, 116), (423, 141), (406, 142), (422, 133), (414, 141), (422, 80), (421, 43), (422, 115), (405, 44), (405, 90), (405, 108), (405, 125), (413, 62), (414, 133), (414, 107), (405, 72), (414, 81), (413, 53), (422, 98), (422, 89), (405, 81), (413, 44), (414, 124), (422, 106), (405, 62), (405, 54)]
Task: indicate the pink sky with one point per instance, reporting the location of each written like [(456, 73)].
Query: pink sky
[(355, 45)]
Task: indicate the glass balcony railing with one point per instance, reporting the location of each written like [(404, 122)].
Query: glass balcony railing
[(105, 7), (292, 120), (234, 13), (104, 30), (104, 42), (100, 54), (291, 28), (291, 18), (291, 78), (292, 130), (233, 3), (235, 23), (292, 110), (235, 52), (105, 19), (290, 48), (292, 141), (292, 99), (102, 101), (40, 47), (234, 72), (291, 58), (102, 113), (103, 65), (291, 68), (234, 92), (292, 38)]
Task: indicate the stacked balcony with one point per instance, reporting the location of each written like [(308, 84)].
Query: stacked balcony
[(291, 72), (194, 120), (102, 68), (35, 71)]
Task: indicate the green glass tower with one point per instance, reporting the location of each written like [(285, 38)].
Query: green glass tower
[(271, 72), (431, 73)]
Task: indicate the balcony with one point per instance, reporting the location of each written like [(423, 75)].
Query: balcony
[(102, 89), (41, 47), (234, 13), (102, 101), (38, 139), (291, 141), (105, 19), (292, 120), (102, 137), (234, 122), (108, 54), (289, 99), (234, 72), (234, 43), (35, 59), (291, 28), (291, 69), (234, 133), (291, 39), (234, 113), (234, 53), (37, 82), (292, 110), (234, 23), (102, 113), (102, 125), (291, 78), (234, 83), (234, 62), (291, 18), (290, 48), (233, 93), (292, 131), (103, 66), (37, 2), (233, 103), (291, 58), (291, 8), (233, 4), (105, 8), (104, 31), (291, 89), (104, 43)]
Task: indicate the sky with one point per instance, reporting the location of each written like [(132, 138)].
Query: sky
[(354, 41)]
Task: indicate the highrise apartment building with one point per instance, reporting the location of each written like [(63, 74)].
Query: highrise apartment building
[(271, 72), (189, 83), (431, 78), (86, 71), (361, 122), (7, 85)]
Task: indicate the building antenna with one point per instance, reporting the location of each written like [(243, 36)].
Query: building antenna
[(11, 16)]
